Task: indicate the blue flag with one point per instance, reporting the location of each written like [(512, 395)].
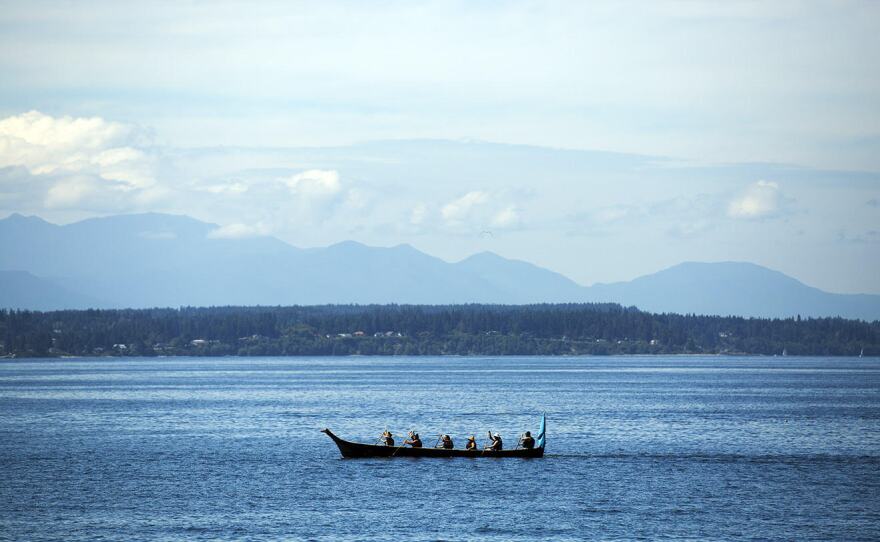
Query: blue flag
[(539, 442)]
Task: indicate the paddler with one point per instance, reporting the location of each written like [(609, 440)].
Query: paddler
[(471, 443), (413, 440), (527, 441), (446, 442), (387, 438), (495, 443)]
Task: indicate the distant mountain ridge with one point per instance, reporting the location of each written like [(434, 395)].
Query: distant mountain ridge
[(20, 289), (150, 260), (733, 288)]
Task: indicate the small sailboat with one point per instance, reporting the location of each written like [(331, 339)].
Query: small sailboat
[(862, 353)]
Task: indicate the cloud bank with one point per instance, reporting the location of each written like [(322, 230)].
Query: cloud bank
[(46, 145), (84, 161), (593, 216)]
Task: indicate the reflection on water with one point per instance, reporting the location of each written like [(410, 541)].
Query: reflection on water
[(677, 448)]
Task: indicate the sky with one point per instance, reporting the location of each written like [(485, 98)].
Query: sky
[(603, 140)]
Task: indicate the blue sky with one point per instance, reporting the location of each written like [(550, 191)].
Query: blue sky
[(727, 130)]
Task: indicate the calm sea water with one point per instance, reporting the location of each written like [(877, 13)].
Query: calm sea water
[(675, 448)]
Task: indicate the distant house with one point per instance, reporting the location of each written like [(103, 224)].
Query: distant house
[(358, 333), (654, 342), (198, 342)]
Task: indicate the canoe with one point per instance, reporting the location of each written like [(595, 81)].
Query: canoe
[(355, 450)]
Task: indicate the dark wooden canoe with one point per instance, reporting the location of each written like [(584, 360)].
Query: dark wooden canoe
[(354, 450)]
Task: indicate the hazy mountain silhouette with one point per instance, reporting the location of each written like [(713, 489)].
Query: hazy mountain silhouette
[(733, 288), (152, 259), (164, 260), (21, 290), (521, 281)]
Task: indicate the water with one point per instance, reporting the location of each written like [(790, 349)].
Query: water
[(676, 448)]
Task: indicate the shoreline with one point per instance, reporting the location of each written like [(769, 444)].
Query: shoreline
[(419, 330), (449, 356)]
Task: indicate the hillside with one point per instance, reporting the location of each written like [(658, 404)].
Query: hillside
[(158, 260)]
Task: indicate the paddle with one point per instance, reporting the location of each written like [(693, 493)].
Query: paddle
[(485, 448), (401, 446)]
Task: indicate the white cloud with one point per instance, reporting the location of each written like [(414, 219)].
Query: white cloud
[(475, 211), (239, 231), (47, 145), (44, 133), (321, 197), (315, 183), (69, 192), (459, 209), (80, 163), (509, 217), (762, 199)]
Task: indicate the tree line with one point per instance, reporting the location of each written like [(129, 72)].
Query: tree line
[(544, 329)]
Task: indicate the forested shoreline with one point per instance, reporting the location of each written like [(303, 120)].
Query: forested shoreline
[(547, 329)]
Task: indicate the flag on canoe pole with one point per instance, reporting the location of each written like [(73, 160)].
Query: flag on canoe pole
[(539, 442)]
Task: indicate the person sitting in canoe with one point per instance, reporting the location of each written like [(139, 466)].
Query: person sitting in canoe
[(471, 443), (446, 442), (387, 438), (413, 440), (527, 441), (495, 443)]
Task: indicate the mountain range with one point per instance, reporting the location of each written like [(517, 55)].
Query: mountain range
[(150, 260)]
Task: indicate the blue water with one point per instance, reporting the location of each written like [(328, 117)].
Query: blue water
[(676, 448)]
